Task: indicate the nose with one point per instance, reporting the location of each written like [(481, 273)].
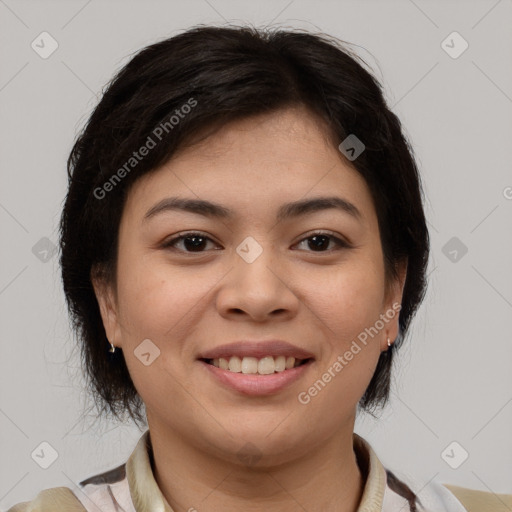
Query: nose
[(259, 290)]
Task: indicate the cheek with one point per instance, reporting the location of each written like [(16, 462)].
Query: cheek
[(159, 301), (348, 307), (162, 304), (348, 299)]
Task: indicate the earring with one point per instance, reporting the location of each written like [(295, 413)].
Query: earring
[(389, 342), (112, 347)]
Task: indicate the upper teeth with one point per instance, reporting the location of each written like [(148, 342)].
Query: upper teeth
[(263, 366)]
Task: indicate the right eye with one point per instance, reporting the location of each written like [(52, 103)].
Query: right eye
[(192, 242)]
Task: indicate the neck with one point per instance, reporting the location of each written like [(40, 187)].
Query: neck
[(326, 479)]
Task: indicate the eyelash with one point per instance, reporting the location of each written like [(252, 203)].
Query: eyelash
[(169, 244)]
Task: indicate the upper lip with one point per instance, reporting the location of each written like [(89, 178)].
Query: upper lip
[(258, 349)]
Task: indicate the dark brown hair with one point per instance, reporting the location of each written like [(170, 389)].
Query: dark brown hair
[(403, 490), (225, 74)]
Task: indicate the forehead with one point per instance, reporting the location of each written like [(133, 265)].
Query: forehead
[(259, 161)]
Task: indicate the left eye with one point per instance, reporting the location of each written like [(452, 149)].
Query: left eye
[(196, 242), (319, 241)]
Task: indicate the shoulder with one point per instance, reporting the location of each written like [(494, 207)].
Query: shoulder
[(56, 499), (481, 501), (106, 491), (440, 497), (109, 491)]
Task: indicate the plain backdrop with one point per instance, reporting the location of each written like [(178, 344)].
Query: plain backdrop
[(453, 380)]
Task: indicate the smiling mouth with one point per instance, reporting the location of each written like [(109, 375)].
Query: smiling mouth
[(260, 366)]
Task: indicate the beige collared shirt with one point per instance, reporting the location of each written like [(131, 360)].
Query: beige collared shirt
[(131, 487)]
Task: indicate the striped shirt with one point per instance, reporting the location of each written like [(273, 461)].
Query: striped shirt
[(131, 487)]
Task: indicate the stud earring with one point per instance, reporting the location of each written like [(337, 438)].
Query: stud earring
[(112, 347), (389, 342)]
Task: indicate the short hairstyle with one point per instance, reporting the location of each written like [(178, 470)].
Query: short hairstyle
[(206, 77)]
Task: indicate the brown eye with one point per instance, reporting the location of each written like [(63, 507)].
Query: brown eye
[(191, 242), (319, 242)]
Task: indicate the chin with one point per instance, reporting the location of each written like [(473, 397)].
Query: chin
[(263, 445)]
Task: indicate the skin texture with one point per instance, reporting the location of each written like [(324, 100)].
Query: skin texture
[(188, 302)]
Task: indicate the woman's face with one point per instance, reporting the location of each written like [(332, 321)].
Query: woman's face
[(248, 277)]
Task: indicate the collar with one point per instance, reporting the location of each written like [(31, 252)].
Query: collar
[(147, 497)]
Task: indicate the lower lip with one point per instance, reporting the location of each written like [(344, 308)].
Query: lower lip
[(257, 385)]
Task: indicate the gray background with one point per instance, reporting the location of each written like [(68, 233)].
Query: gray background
[(453, 381)]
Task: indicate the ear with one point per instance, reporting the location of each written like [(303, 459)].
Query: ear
[(108, 306), (392, 305)]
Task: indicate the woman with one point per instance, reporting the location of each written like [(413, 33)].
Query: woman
[(243, 249)]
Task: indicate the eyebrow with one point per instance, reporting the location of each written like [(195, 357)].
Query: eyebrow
[(286, 211)]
